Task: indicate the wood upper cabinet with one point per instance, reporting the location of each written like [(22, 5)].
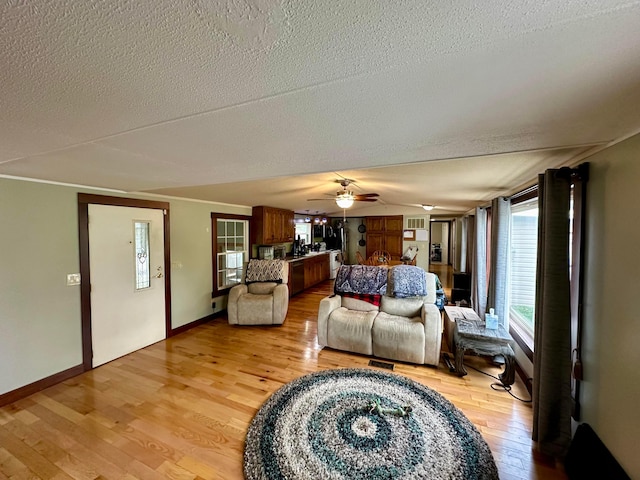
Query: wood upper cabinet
[(375, 224), (385, 233), (271, 225)]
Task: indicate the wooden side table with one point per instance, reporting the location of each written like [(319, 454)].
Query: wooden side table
[(471, 335)]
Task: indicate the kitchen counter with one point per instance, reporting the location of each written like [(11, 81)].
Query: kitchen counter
[(308, 270), (308, 255)]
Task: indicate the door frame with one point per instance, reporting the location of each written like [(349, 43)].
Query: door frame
[(84, 199)]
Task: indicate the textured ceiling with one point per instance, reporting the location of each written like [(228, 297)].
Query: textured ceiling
[(180, 96)]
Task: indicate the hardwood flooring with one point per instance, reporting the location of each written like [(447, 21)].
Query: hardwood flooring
[(180, 409)]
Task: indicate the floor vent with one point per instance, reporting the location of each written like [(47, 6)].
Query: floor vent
[(375, 363)]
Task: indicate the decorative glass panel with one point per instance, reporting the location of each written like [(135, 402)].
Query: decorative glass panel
[(141, 251)]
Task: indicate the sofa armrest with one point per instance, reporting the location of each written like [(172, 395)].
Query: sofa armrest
[(280, 303), (327, 305), (432, 320), (232, 302)]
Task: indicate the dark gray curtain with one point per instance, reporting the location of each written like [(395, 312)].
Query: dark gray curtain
[(479, 263), (499, 271), (552, 352)]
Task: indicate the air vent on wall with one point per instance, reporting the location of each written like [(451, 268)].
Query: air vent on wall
[(416, 223)]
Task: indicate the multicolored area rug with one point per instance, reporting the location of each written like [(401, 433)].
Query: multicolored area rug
[(363, 424)]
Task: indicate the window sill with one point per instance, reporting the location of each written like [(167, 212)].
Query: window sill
[(524, 341)]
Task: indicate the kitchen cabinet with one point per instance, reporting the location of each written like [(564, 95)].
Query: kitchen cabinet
[(316, 270), (385, 233), (271, 225), (296, 277), (308, 271)]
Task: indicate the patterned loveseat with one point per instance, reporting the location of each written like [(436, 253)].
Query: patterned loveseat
[(384, 312)]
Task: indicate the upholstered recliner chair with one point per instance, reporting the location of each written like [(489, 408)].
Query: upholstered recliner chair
[(263, 296)]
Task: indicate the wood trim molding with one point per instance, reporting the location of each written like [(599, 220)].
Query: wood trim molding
[(521, 343), (22, 392), (219, 292), (195, 323)]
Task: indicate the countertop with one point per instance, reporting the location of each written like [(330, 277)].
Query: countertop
[(308, 255)]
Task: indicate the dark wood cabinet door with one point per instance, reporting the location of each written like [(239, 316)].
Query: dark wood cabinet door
[(375, 224), (375, 241), (393, 245), (271, 225), (393, 224)]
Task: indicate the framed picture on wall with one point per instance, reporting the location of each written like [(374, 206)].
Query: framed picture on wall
[(409, 235)]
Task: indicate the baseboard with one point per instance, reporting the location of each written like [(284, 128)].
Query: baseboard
[(195, 323), (22, 392)]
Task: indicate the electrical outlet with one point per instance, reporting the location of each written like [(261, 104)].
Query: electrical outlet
[(73, 279)]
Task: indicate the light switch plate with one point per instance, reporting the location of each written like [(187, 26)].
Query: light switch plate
[(73, 279)]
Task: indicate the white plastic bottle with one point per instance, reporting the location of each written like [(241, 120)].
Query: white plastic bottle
[(491, 319)]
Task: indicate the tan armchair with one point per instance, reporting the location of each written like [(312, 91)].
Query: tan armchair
[(263, 296)]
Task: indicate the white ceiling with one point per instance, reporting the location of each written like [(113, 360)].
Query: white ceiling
[(237, 101)]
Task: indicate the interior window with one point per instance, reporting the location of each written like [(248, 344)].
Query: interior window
[(231, 250)]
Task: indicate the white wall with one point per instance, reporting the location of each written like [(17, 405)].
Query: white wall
[(611, 390), (40, 326)]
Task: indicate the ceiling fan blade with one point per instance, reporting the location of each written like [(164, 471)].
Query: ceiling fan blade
[(367, 195), (366, 199)]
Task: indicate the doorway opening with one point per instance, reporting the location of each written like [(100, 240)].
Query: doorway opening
[(440, 242)]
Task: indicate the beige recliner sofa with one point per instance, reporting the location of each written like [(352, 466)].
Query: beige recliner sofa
[(263, 296), (404, 329)]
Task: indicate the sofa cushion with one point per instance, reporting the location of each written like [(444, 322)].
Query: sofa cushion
[(255, 310), (404, 307), (398, 337), (262, 288), (350, 330)]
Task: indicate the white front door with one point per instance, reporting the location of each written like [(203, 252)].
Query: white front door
[(127, 280)]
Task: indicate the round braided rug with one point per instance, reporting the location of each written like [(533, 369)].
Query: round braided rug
[(320, 426)]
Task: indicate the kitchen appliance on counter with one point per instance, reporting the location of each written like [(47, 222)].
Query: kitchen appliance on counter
[(265, 252)]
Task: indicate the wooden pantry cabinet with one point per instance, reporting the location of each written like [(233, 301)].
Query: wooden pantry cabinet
[(385, 233), (270, 225)]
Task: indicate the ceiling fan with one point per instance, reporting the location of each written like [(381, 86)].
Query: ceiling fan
[(345, 198)]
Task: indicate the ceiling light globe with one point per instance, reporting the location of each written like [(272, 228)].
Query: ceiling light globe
[(344, 201), (428, 208)]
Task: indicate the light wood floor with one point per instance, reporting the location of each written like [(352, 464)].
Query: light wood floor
[(180, 408)]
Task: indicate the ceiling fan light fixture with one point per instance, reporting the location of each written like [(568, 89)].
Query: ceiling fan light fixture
[(345, 200), (428, 208)]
